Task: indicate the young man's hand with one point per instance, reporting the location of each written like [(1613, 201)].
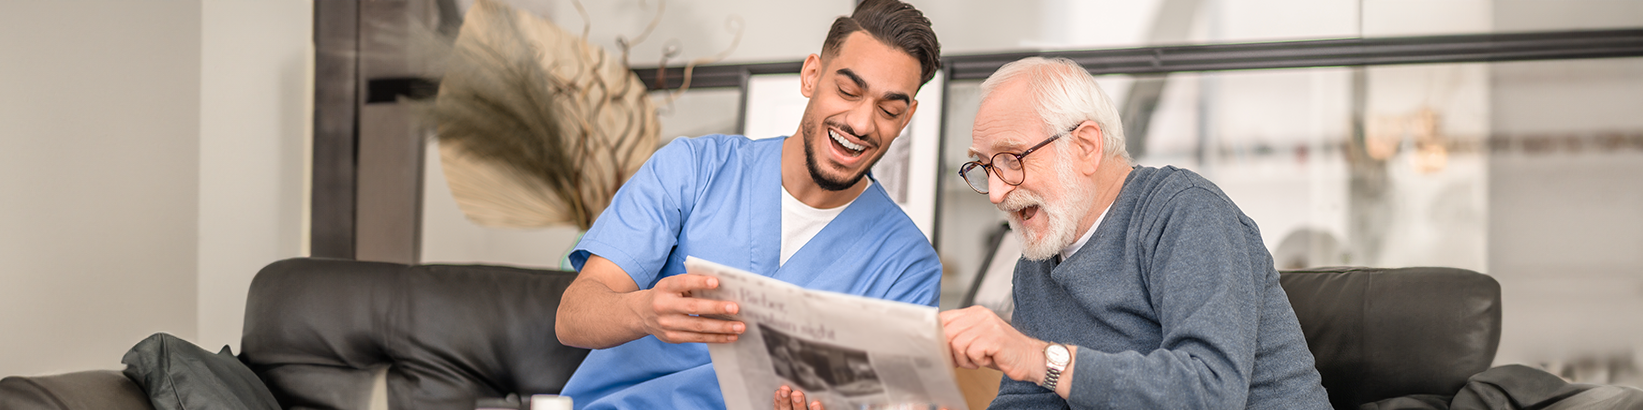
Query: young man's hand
[(604, 308), (674, 314), (788, 398)]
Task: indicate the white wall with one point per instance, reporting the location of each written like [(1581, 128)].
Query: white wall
[(256, 85), (99, 145), (150, 161)]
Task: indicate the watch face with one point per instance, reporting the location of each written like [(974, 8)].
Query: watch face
[(1057, 354)]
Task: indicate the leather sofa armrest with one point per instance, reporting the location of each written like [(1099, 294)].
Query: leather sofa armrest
[(88, 390)]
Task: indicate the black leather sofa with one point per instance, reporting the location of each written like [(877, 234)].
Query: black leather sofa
[(448, 335), (316, 329), (1384, 333)]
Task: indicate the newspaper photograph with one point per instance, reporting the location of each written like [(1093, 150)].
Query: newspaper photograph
[(849, 352)]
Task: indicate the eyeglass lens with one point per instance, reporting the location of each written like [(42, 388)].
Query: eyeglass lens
[(1007, 165)]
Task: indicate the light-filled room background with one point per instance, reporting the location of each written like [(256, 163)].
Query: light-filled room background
[(154, 155)]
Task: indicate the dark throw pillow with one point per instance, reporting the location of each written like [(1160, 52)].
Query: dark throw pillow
[(178, 375)]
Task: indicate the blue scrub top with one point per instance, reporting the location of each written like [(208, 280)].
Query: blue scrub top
[(718, 198)]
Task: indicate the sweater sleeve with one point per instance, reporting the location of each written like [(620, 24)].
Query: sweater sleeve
[(1203, 290), (1013, 395)]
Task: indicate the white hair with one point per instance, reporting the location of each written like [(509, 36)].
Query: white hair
[(1064, 94)]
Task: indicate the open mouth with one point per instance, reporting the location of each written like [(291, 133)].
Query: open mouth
[(1026, 213), (849, 148)]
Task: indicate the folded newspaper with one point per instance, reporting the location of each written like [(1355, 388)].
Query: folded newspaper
[(849, 352)]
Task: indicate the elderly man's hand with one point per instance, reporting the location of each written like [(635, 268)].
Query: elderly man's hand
[(978, 338), (788, 398)]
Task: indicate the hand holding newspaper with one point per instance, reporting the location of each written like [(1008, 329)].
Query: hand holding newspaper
[(849, 352)]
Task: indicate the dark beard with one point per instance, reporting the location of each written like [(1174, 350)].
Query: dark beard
[(815, 171)]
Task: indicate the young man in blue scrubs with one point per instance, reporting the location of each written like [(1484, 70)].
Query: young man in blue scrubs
[(797, 209)]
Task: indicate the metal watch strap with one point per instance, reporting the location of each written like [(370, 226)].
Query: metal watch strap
[(1052, 370), (1050, 377)]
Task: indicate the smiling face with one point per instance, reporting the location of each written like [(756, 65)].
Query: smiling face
[(1053, 198), (859, 101)]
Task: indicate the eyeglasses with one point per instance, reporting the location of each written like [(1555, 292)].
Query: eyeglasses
[(1006, 165)]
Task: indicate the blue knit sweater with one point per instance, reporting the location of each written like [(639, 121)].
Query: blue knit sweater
[(1174, 304)]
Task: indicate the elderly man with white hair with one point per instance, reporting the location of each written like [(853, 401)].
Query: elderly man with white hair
[(1138, 287)]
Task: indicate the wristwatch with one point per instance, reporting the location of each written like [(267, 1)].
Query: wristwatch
[(1056, 358)]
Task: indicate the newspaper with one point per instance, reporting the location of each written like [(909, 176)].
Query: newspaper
[(849, 352)]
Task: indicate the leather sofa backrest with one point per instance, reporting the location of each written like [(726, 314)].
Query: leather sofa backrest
[(1382, 333), (315, 329)]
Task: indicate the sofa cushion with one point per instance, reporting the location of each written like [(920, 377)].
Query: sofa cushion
[(89, 390), (178, 375)]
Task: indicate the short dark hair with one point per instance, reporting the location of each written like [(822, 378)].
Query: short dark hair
[(895, 23)]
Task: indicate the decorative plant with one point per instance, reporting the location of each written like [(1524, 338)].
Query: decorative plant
[(537, 127)]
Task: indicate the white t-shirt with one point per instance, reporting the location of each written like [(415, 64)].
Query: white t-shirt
[(1072, 249), (801, 222)]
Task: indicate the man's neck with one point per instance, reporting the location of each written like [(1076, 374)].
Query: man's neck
[(1109, 181), (797, 181)]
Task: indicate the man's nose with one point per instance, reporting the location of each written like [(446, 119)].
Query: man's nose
[(861, 120), (996, 188)]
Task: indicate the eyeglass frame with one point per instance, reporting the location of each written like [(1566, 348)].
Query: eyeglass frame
[(992, 170)]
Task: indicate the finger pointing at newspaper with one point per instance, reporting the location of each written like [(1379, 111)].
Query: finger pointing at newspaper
[(674, 314)]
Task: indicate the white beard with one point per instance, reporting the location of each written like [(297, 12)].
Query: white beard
[(1061, 229)]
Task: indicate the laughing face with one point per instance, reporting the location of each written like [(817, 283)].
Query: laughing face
[(1048, 224), (1053, 199), (859, 101)]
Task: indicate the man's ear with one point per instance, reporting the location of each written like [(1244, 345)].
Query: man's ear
[(809, 75), (1090, 140), (907, 118)]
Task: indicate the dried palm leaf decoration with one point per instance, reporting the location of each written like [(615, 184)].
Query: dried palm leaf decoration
[(535, 126)]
